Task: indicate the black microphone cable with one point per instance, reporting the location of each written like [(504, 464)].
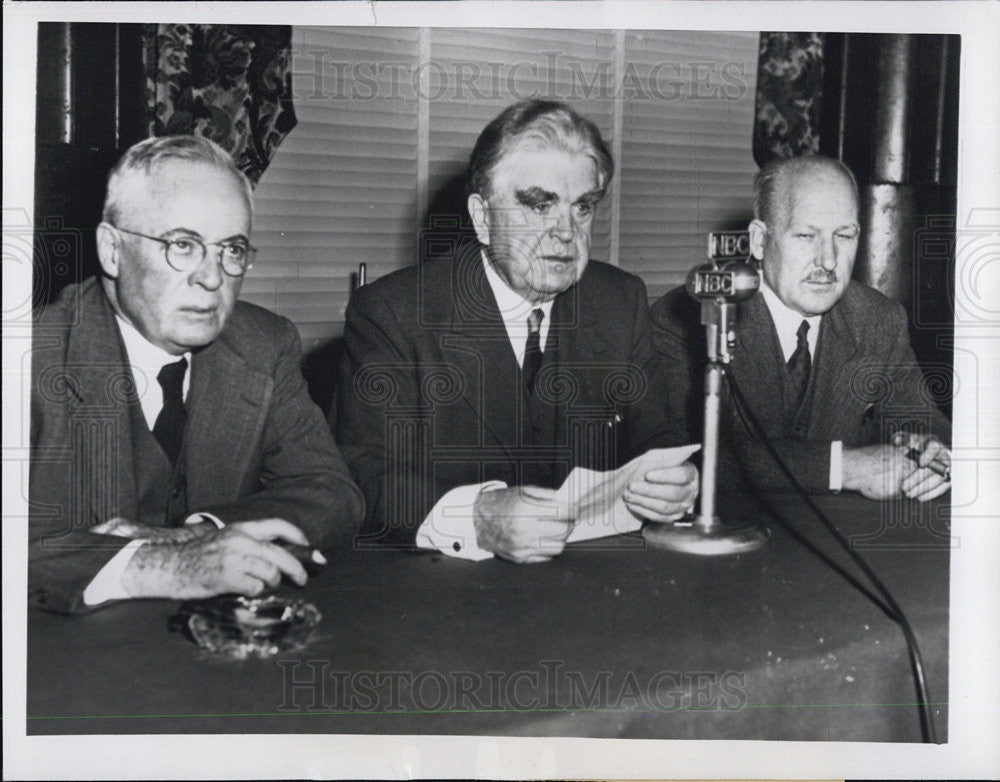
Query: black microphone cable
[(916, 662)]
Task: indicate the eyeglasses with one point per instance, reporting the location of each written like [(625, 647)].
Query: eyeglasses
[(186, 252)]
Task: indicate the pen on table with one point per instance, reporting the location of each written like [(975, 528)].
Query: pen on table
[(913, 454), (938, 468)]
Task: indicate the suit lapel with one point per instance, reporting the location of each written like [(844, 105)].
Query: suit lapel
[(105, 409), (227, 408), (577, 350), (576, 342), (758, 363), (577, 328), (476, 343), (837, 363)]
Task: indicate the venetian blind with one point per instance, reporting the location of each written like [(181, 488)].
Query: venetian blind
[(388, 117), (687, 133), (342, 187)]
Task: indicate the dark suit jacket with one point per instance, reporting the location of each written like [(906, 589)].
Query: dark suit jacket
[(864, 384), (430, 395), (255, 445)]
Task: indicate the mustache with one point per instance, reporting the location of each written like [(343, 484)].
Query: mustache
[(824, 277)]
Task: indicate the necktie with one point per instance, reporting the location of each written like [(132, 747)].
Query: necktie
[(799, 365), (169, 427), (532, 350)]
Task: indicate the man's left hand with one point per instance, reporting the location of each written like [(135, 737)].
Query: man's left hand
[(922, 483), (663, 494)]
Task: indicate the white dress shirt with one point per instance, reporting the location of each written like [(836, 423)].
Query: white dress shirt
[(787, 322), (450, 527)]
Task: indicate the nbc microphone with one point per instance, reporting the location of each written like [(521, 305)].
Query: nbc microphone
[(733, 281), (718, 287)]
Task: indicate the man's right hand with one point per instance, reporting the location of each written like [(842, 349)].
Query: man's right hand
[(238, 558), (522, 524), (876, 471)]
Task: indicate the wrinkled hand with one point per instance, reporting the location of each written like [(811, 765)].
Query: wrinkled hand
[(923, 483), (663, 494), (238, 558), (882, 472), (522, 524)]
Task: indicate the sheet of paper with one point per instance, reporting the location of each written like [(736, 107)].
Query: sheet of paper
[(595, 498)]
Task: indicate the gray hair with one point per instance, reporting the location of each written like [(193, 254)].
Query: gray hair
[(548, 121), (771, 182), (144, 156)]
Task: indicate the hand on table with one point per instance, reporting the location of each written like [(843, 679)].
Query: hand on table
[(523, 523), (238, 558), (923, 483), (882, 472), (663, 494)]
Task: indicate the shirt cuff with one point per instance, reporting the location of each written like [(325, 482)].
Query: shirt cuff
[(198, 518), (450, 526), (836, 465), (107, 584)]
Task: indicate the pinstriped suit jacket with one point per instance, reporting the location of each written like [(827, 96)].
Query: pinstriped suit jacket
[(864, 384)]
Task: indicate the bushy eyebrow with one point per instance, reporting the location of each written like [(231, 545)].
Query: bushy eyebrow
[(804, 226), (591, 198), (534, 195), (538, 195)]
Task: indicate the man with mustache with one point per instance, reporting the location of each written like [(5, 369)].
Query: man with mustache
[(174, 446), (825, 362), (470, 386)]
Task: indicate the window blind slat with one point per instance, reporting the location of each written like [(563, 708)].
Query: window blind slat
[(686, 162), (342, 188)]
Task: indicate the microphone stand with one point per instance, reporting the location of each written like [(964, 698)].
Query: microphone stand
[(704, 534)]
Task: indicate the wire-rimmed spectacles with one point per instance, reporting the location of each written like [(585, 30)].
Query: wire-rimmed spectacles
[(185, 252)]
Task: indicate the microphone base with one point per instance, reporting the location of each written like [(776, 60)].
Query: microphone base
[(712, 539)]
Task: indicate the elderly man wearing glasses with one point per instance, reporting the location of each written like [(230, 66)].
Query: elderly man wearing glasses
[(174, 444)]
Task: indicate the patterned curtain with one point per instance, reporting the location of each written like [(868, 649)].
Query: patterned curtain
[(230, 83), (789, 95)]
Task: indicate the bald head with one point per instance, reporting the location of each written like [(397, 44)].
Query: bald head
[(775, 184)]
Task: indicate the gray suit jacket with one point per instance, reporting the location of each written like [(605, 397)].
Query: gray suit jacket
[(865, 383), (430, 395), (255, 445)]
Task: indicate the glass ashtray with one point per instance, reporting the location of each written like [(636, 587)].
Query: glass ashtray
[(241, 627)]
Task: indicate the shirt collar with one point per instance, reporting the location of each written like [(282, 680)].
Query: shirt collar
[(514, 308), (787, 322), (141, 352)]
